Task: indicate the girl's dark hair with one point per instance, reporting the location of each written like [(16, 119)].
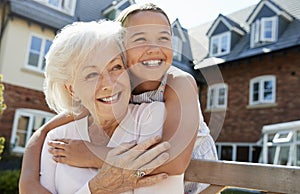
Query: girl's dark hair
[(123, 16)]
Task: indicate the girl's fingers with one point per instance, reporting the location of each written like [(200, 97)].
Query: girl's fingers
[(124, 147), (57, 152), (57, 144)]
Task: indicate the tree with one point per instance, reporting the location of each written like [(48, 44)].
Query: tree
[(2, 108)]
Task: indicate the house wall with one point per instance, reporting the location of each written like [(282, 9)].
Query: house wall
[(18, 97), (14, 50), (242, 123)]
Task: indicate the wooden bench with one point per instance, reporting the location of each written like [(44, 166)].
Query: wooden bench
[(262, 177)]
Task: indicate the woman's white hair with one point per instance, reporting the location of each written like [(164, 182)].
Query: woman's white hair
[(71, 47)]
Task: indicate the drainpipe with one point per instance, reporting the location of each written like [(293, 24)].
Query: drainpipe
[(4, 20)]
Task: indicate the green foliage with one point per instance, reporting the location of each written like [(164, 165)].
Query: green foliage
[(2, 105), (2, 141), (9, 180)]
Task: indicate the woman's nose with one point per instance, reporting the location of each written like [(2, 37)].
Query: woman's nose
[(106, 81)]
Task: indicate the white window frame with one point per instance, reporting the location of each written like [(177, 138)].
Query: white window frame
[(259, 29), (177, 48), (261, 80), (234, 147), (42, 52), (68, 7), (218, 39), (31, 114), (213, 96), (290, 141)]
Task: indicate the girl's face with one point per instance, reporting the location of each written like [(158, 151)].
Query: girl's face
[(148, 45), (102, 84)]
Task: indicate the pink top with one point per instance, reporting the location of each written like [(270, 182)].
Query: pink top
[(141, 122)]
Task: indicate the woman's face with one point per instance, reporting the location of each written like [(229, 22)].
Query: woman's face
[(102, 84), (148, 45)]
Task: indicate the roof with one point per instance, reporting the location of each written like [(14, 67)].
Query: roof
[(289, 38), (86, 10)]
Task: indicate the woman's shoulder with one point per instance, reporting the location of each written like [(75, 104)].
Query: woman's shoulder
[(69, 129)]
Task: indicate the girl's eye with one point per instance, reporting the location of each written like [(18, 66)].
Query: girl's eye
[(140, 39), (117, 67), (91, 75), (165, 38)]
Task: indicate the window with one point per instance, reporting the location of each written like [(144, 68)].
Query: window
[(220, 44), (177, 48), (242, 152), (67, 6), (281, 145), (26, 121), (217, 96), (264, 30), (37, 51), (262, 90)]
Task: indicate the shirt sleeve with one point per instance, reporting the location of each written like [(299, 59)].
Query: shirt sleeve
[(84, 190)]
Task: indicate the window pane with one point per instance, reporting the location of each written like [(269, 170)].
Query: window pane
[(211, 100), (47, 47), (36, 44), (54, 2), (215, 43), (268, 29), (242, 154), (226, 153), (255, 92), (271, 137), (284, 155), (271, 154), (298, 156), (255, 153), (298, 135), (221, 99), (33, 59), (224, 43), (268, 86), (21, 134)]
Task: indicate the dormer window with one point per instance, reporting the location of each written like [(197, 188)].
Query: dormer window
[(220, 44), (177, 48), (264, 30), (115, 8), (66, 6)]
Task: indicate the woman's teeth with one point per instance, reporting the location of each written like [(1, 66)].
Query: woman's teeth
[(110, 99)]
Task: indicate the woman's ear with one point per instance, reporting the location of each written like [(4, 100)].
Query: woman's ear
[(71, 92)]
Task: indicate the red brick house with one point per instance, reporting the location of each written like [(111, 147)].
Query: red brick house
[(250, 64)]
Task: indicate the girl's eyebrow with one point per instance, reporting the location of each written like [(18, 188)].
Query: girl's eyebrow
[(136, 34)]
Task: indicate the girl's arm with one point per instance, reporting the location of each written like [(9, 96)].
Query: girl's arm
[(29, 178), (182, 121), (180, 129)]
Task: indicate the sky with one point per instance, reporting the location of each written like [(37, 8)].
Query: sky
[(195, 12)]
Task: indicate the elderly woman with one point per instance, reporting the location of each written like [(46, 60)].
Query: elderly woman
[(87, 57)]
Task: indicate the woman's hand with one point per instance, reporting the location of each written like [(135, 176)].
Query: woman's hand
[(119, 172)]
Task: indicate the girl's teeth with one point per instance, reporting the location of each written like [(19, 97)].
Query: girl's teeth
[(152, 63)]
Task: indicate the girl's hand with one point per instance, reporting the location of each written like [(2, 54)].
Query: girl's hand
[(78, 153)]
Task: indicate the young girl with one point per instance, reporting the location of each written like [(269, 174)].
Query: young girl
[(149, 54)]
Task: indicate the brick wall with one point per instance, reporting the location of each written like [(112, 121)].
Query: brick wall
[(244, 124), (17, 97)]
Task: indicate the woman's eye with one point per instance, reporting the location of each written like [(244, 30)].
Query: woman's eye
[(91, 75)]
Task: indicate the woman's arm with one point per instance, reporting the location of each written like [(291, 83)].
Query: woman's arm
[(182, 122), (29, 178)]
